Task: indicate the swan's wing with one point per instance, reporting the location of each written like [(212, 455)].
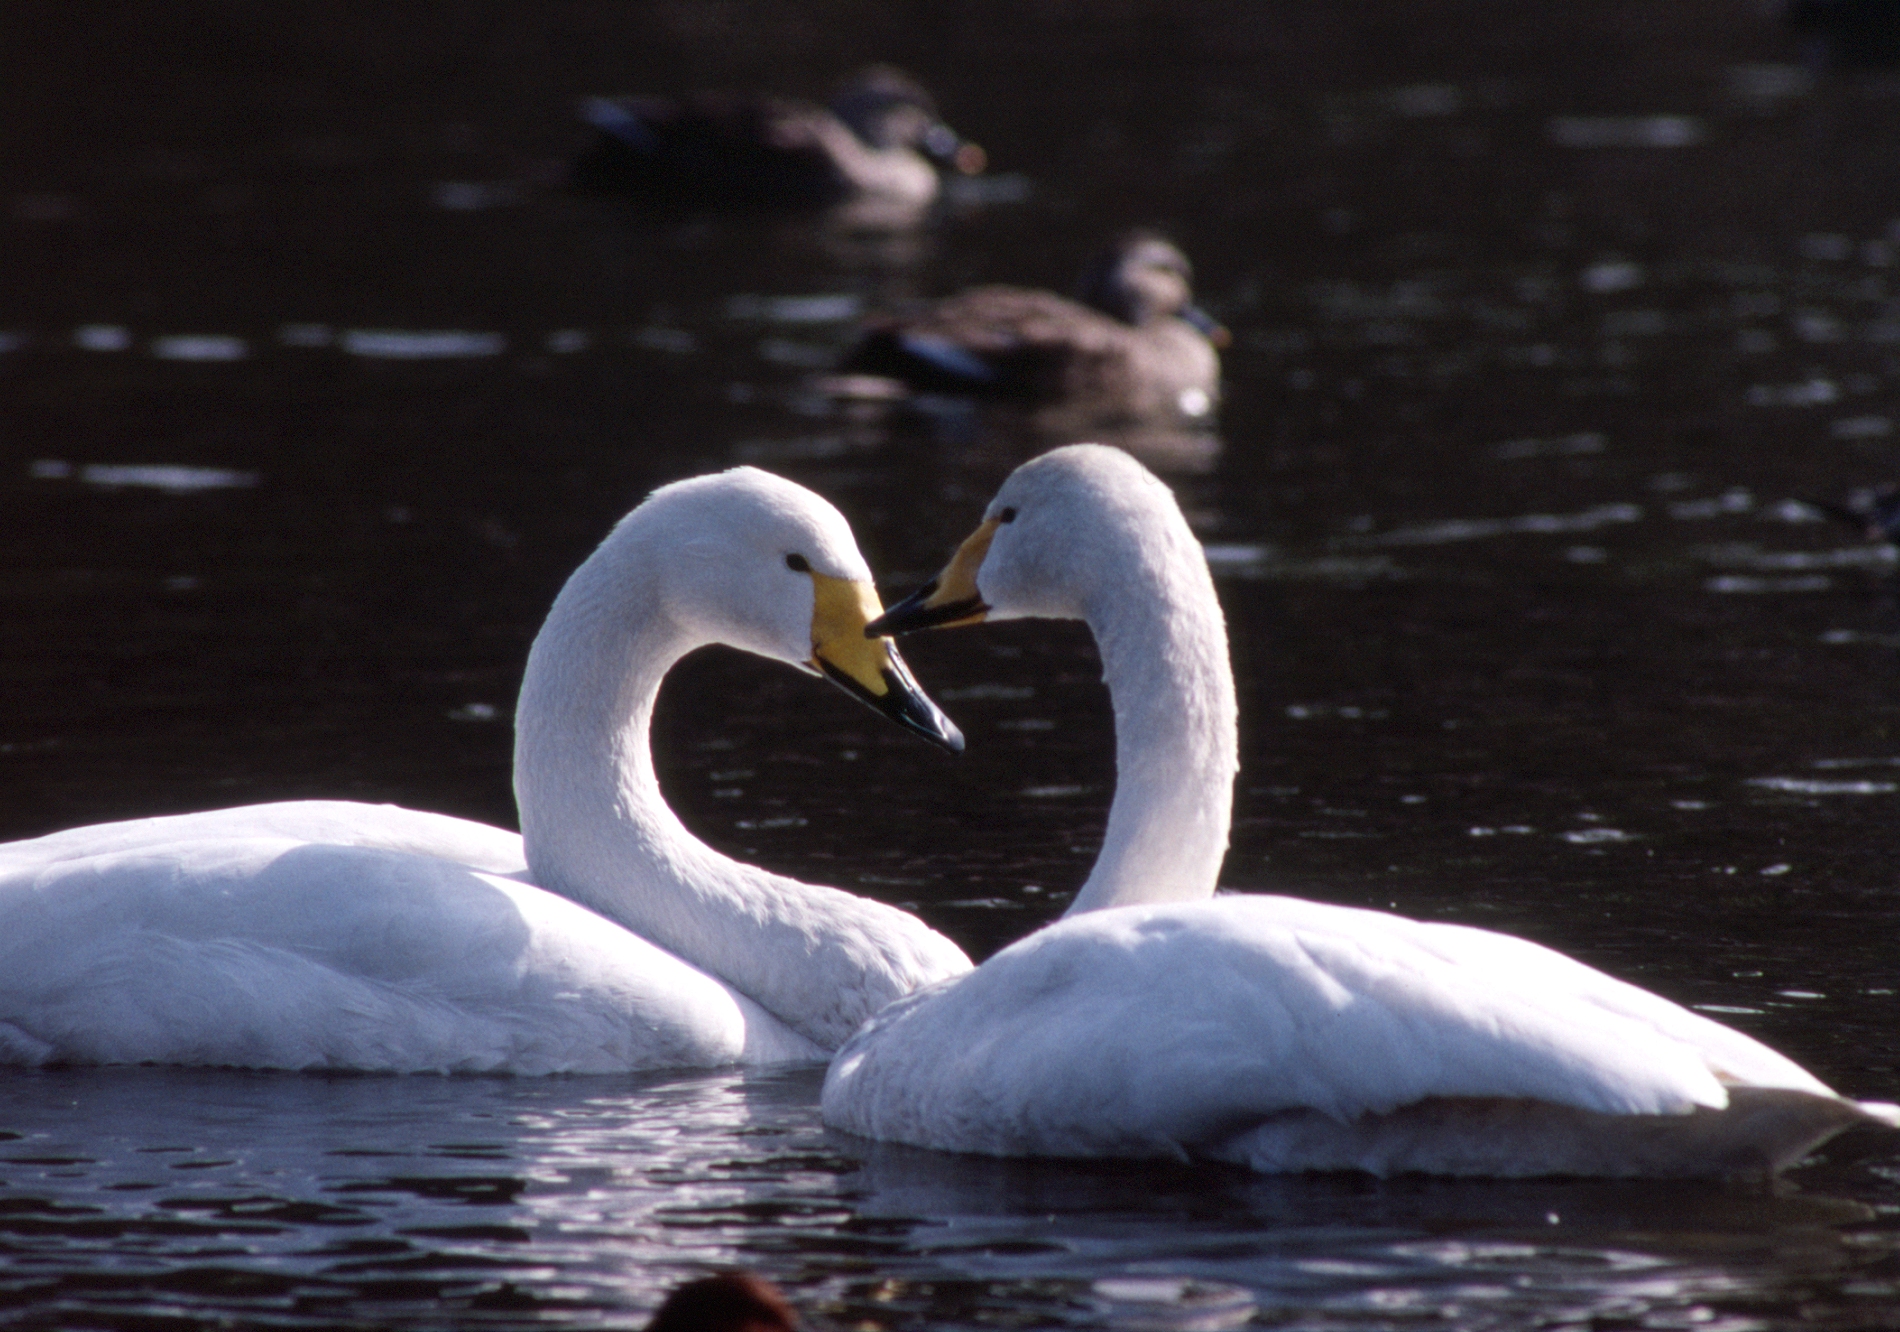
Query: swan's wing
[(332, 822), (1517, 967), (275, 952), (1159, 1029)]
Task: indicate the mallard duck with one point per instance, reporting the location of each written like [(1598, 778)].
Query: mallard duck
[(880, 138), (1134, 342)]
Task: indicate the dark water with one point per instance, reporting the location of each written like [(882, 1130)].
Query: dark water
[(1542, 315)]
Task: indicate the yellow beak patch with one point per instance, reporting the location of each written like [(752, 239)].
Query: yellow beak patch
[(840, 610), (957, 582)]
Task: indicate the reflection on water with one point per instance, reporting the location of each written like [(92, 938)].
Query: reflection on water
[(1550, 329), (495, 1202)]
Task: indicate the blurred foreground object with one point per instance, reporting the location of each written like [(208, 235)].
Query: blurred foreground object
[(729, 1302)]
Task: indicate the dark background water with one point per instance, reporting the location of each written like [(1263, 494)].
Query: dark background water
[(1541, 315)]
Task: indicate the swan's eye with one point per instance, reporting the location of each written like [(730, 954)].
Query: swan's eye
[(798, 564), (1006, 516)]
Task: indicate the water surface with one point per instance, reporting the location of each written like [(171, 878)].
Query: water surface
[(314, 386)]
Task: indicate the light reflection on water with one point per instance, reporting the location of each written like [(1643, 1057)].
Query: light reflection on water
[(1541, 337), (478, 1202)]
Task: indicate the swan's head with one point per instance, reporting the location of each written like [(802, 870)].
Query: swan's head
[(757, 562), (1143, 277), (1067, 532)]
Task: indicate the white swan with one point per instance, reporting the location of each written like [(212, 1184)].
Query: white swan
[(1267, 1031), (605, 937)]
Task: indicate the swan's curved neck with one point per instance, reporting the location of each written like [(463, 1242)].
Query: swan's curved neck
[(594, 823), (596, 827), (1164, 658), (593, 819)]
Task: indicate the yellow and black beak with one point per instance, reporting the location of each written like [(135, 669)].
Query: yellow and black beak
[(866, 666), (947, 600)]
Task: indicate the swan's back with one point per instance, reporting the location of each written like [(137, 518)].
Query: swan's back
[(1279, 1033), (341, 936), (335, 822)]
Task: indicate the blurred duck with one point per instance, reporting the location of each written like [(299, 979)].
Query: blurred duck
[(729, 1302), (880, 138), (1133, 344)]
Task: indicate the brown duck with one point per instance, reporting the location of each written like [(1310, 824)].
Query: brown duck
[(880, 137), (1134, 342)]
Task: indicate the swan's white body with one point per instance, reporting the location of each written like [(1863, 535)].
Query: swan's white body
[(347, 936), (1269, 1031)]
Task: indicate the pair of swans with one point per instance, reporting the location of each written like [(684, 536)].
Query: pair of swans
[(1150, 1021)]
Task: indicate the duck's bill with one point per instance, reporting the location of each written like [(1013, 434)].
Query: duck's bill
[(947, 148), (1206, 325), (949, 599), (868, 667)]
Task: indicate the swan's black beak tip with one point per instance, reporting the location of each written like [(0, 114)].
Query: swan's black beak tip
[(914, 612), (911, 708), (899, 613), (906, 703), (903, 701), (951, 739)]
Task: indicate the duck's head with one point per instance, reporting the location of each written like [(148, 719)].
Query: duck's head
[(886, 108), (728, 1302), (1143, 277), (1066, 530), (757, 562)]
